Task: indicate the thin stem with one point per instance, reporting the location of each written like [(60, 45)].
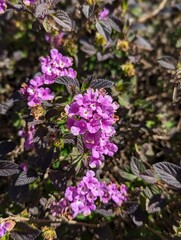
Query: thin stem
[(156, 233), (49, 221), (18, 7), (155, 12)]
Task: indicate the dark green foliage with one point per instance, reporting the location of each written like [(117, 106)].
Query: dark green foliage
[(135, 55)]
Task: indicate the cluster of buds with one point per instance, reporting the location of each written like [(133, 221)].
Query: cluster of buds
[(84, 198), (122, 45), (128, 69)]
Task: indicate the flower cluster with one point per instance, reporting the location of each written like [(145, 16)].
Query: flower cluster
[(83, 198), (53, 66), (56, 65), (92, 115), (3, 6), (4, 227)]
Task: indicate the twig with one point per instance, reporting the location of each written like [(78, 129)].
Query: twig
[(18, 7), (156, 233), (161, 137), (174, 96), (49, 221), (147, 16)]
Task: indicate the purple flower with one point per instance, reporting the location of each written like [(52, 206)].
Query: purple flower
[(23, 166), (77, 207), (2, 231), (118, 195), (103, 15), (93, 126), (29, 136), (57, 65), (95, 162), (3, 6), (89, 192), (105, 196), (45, 94), (92, 115), (35, 93), (53, 66), (4, 227), (79, 127), (70, 193), (91, 139), (55, 40)]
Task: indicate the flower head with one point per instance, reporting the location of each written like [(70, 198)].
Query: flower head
[(83, 198), (92, 115), (53, 66)]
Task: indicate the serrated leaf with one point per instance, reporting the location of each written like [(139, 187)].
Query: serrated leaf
[(48, 25), (127, 175), (104, 57), (63, 19), (69, 138), (87, 48), (131, 207), (104, 28), (124, 100), (156, 204), (80, 145), (147, 193), (137, 167), (87, 10), (169, 173), (134, 59), (115, 23), (67, 81), (167, 62), (139, 217), (104, 212), (148, 176), (42, 9), (23, 231), (4, 107), (143, 43), (9, 103), (26, 177), (101, 83), (52, 3), (8, 168)]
